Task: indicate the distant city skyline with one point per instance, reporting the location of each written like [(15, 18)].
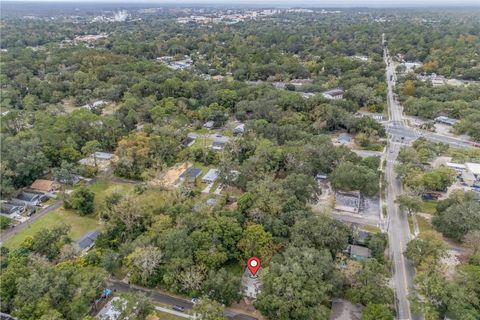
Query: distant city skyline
[(286, 3)]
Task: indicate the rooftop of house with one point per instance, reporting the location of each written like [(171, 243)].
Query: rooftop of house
[(103, 155), (209, 124), (473, 168), (27, 196), (218, 144), (359, 251), (344, 137), (8, 208), (88, 239), (43, 185), (191, 173), (334, 92), (211, 175)]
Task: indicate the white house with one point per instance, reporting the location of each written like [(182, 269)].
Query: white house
[(334, 94), (251, 285), (211, 176)]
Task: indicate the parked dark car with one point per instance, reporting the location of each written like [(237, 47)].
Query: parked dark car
[(178, 308)]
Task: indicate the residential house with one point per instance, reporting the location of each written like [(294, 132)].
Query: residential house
[(251, 285), (110, 311), (344, 138), (446, 120), (87, 241), (188, 141), (212, 201), (209, 125), (94, 105), (472, 175), (218, 145), (73, 180), (190, 174), (211, 176), (10, 209), (29, 198), (240, 129), (98, 159), (44, 185), (301, 82), (333, 94), (359, 252)]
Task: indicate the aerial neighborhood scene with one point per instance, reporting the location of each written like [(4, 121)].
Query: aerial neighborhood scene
[(209, 160)]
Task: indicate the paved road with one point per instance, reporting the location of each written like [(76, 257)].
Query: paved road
[(166, 299), (398, 229), (7, 234)]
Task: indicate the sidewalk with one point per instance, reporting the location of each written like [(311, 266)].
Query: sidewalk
[(175, 313)]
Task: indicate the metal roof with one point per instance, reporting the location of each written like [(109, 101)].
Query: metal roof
[(87, 240), (211, 175)]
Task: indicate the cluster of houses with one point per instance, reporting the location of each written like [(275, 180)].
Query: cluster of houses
[(468, 172), (176, 64), (99, 160), (24, 204)]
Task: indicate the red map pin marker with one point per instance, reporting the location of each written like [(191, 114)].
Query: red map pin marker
[(253, 265)]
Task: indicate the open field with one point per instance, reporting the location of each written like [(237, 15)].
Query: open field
[(79, 226)]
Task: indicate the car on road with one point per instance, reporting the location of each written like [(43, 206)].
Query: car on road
[(194, 300), (176, 307)]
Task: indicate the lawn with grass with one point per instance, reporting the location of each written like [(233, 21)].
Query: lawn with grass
[(79, 226), (423, 224), (167, 316), (429, 207)]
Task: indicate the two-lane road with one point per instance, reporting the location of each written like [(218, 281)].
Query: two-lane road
[(398, 228), (169, 300)]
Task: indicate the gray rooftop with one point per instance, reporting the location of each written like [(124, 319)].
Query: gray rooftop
[(27, 196), (87, 240), (360, 251), (191, 173), (211, 175)]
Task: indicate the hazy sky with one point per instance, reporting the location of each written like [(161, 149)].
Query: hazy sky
[(304, 3)]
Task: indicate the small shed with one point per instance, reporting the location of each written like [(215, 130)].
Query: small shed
[(211, 176)]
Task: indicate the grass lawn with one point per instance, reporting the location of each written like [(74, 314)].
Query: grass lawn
[(102, 188), (167, 316), (370, 228), (80, 225), (429, 207), (423, 224)]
